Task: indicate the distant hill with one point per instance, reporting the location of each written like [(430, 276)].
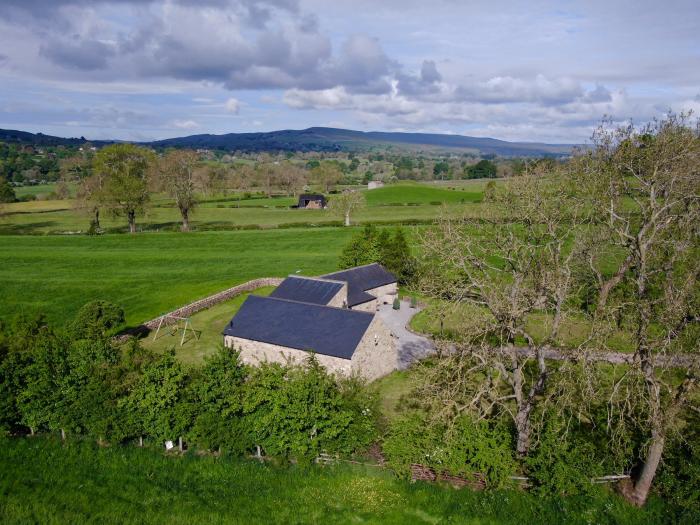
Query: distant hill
[(326, 139)]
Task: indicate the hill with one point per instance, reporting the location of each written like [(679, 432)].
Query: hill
[(324, 139), (333, 139)]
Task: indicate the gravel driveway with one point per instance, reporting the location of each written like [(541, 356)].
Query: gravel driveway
[(412, 347)]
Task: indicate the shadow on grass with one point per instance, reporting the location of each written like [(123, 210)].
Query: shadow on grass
[(32, 228)]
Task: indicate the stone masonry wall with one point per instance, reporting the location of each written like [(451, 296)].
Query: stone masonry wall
[(201, 304), (377, 353), (256, 352), (385, 293)]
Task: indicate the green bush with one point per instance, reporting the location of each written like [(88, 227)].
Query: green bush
[(465, 448)]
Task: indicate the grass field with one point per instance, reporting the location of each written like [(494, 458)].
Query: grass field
[(395, 203), (44, 481), (208, 325), (150, 274)]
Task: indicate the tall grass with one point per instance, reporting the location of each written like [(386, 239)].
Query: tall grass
[(45, 481)]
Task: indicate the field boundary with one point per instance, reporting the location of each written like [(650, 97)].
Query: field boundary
[(196, 306)]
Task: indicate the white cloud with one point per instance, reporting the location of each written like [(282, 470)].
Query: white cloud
[(232, 105), (185, 124)]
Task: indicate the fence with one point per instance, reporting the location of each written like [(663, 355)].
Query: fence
[(196, 306)]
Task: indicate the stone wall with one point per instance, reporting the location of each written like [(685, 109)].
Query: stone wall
[(255, 352), (386, 293), (341, 298), (201, 304), (377, 353), (369, 306)]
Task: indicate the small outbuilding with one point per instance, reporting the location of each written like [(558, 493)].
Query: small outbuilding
[(374, 184), (312, 201)]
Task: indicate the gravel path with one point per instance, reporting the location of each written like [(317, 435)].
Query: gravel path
[(412, 347)]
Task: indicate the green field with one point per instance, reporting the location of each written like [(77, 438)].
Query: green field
[(44, 481), (150, 274), (207, 325), (406, 202)]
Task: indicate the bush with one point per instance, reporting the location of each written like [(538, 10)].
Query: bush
[(96, 319), (397, 304), (467, 448)]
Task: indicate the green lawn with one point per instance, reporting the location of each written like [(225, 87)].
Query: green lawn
[(207, 325), (44, 481), (150, 274)]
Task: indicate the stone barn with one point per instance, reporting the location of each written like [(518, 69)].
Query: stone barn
[(312, 201), (332, 317), (368, 286)]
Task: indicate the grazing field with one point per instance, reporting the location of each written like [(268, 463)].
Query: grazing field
[(406, 202), (151, 274), (45, 481)]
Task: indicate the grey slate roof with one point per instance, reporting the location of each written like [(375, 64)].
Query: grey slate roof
[(363, 278), (304, 289), (325, 330)]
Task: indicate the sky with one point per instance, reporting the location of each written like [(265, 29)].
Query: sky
[(514, 70)]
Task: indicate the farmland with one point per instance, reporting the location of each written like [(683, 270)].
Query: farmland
[(406, 202)]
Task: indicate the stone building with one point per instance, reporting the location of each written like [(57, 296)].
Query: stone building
[(334, 317), (312, 201)]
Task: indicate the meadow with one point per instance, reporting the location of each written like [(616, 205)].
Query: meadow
[(45, 481), (150, 274), (400, 203)]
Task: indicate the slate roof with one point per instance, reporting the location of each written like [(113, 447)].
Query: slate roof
[(363, 278), (304, 198), (307, 290), (325, 330)]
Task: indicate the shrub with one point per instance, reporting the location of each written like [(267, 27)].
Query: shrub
[(96, 319), (466, 448), (397, 304)]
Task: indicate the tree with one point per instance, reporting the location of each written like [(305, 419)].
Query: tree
[(290, 178), (176, 172), (503, 271), (642, 187), (124, 170), (327, 175), (95, 320), (484, 169), (346, 203), (363, 248), (89, 198), (395, 255), (440, 169), (7, 192)]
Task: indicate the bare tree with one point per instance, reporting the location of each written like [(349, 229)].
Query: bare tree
[(176, 176), (88, 197), (517, 262), (642, 187), (290, 178), (347, 203)]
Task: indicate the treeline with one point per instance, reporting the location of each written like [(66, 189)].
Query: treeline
[(76, 382)]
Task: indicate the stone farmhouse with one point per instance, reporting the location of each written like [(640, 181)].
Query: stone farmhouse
[(333, 316)]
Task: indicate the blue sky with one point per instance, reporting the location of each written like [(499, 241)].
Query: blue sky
[(533, 71)]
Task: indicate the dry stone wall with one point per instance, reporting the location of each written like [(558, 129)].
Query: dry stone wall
[(202, 304)]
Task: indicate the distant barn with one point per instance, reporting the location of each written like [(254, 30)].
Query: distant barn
[(312, 201)]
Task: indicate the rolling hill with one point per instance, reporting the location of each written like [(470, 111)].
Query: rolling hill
[(327, 139)]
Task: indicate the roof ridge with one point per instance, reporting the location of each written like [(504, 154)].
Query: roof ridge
[(310, 304), (314, 278)]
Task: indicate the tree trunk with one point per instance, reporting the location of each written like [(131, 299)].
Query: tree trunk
[(179, 443), (611, 283), (522, 426), (96, 218), (643, 484), (31, 431), (185, 219), (132, 221), (140, 441), (347, 218), (63, 435)]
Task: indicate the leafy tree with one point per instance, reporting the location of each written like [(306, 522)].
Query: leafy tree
[(176, 176), (327, 174), (7, 192), (296, 411), (157, 403), (441, 169), (96, 319), (395, 255), (484, 169), (363, 248), (124, 170), (218, 393)]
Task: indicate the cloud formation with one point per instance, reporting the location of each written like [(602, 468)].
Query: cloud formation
[(544, 71)]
